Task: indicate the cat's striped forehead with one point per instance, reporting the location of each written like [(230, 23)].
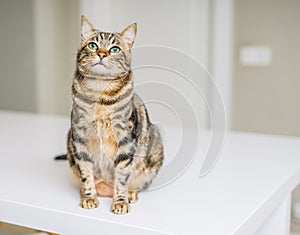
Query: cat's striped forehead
[(107, 38)]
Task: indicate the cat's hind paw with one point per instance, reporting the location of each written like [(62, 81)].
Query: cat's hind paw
[(120, 208), (89, 203), (132, 196)]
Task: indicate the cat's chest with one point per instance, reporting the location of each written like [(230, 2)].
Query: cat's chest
[(102, 115), (105, 133)]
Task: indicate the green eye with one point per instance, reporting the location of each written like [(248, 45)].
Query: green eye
[(114, 49), (93, 46)]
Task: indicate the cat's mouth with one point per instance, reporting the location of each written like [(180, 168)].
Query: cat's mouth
[(100, 63)]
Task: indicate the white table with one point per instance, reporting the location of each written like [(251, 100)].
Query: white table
[(248, 192)]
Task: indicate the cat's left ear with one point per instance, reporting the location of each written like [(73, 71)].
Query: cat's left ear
[(129, 33), (86, 28)]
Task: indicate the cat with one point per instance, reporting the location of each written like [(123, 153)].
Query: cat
[(112, 147)]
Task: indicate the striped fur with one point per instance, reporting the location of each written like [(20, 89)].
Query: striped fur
[(112, 145)]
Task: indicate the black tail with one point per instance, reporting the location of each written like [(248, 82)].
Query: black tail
[(61, 157)]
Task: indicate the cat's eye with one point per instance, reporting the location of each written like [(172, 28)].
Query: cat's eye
[(93, 46), (115, 49)]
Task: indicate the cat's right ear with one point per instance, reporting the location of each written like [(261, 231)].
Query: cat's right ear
[(86, 28)]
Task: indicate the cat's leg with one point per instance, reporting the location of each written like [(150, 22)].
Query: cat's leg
[(155, 153), (120, 203), (123, 165), (83, 165), (88, 193), (147, 161)]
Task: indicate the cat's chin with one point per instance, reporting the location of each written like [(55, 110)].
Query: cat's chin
[(102, 71), (108, 76)]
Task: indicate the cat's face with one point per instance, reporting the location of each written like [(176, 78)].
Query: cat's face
[(102, 54)]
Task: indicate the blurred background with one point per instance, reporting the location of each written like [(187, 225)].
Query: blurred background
[(250, 47)]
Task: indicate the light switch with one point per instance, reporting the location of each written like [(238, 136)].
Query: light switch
[(255, 56)]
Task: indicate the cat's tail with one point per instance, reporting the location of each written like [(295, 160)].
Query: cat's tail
[(61, 157)]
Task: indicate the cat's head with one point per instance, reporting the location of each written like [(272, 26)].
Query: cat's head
[(103, 54)]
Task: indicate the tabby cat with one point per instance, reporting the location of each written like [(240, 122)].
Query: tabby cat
[(112, 146)]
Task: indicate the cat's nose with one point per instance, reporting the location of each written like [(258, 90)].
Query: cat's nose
[(102, 55)]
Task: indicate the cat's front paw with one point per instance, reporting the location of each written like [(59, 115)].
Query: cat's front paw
[(120, 208), (89, 203)]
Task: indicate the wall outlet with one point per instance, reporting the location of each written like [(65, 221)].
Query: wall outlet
[(255, 56)]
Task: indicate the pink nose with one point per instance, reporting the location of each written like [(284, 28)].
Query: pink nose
[(102, 55)]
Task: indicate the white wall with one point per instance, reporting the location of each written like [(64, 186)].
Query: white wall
[(221, 56), (174, 23)]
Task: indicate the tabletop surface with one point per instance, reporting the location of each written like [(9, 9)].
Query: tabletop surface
[(253, 174)]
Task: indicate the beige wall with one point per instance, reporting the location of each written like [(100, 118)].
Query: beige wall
[(266, 99), (57, 37), (39, 39), (17, 85)]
